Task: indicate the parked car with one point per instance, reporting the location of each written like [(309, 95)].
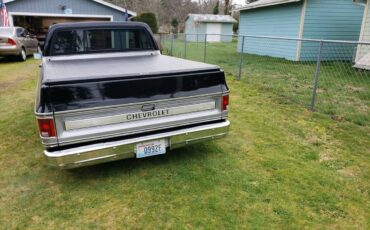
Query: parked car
[(18, 42), (106, 93)]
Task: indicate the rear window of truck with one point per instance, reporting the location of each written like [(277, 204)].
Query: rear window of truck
[(81, 41)]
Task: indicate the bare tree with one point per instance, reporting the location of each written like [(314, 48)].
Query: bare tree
[(167, 10), (227, 6)]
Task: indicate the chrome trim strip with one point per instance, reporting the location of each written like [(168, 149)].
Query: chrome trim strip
[(122, 134), (43, 114), (110, 151), (132, 104), (127, 117), (97, 158)]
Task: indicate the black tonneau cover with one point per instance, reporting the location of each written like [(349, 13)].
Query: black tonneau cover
[(88, 81)]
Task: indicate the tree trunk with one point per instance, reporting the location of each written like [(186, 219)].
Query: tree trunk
[(227, 7)]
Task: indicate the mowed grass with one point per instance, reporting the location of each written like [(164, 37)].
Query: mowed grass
[(281, 167)]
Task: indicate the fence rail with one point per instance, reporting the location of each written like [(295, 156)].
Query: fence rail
[(279, 38), (329, 76)]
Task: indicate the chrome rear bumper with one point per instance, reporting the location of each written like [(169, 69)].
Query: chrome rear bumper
[(116, 150)]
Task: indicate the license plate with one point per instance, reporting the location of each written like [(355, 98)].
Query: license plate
[(150, 148)]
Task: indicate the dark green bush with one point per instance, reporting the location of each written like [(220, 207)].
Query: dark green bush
[(149, 18)]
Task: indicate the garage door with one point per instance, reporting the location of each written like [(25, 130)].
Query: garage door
[(213, 31), (39, 25)]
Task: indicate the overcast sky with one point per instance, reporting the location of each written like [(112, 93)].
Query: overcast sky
[(241, 2)]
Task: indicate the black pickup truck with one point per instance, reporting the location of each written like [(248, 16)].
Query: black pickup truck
[(106, 93)]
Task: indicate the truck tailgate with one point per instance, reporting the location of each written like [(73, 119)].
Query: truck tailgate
[(99, 109)]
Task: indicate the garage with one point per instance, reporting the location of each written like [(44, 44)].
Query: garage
[(37, 16), (197, 25)]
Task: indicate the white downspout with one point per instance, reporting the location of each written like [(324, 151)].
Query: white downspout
[(301, 30)]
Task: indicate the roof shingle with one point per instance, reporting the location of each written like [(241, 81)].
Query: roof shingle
[(211, 18)]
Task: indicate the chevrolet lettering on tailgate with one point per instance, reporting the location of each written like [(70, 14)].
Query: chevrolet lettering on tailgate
[(144, 115)]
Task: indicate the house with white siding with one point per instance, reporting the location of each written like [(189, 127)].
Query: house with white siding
[(363, 51), (197, 25), (301, 19)]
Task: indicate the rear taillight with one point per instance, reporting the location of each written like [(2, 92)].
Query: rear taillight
[(225, 102), (46, 127), (11, 42)]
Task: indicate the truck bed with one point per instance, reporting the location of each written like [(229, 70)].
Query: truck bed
[(116, 65)]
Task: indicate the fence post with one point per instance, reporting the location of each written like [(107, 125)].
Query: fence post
[(317, 73), (241, 59), (172, 37), (185, 46), (160, 42), (205, 47)]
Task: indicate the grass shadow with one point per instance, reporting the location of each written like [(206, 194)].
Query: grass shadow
[(6, 60)]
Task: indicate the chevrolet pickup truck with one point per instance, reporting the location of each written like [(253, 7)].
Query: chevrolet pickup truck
[(106, 93)]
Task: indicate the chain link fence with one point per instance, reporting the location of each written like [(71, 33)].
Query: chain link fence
[(331, 77)]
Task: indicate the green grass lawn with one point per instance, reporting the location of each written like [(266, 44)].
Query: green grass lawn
[(281, 167)]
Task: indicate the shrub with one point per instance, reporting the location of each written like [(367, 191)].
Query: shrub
[(149, 18)]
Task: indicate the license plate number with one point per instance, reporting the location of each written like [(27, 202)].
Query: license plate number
[(150, 148)]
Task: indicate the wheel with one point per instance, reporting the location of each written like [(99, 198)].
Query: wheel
[(23, 55)]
